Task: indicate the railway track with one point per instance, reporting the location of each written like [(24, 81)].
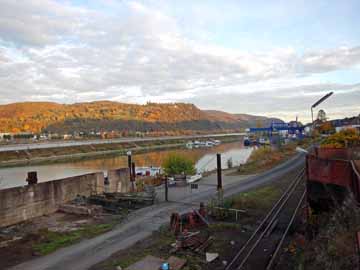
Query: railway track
[(264, 245)]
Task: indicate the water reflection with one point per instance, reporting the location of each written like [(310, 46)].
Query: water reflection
[(204, 158)]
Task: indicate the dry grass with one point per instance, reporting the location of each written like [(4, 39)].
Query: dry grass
[(260, 198), (264, 158)]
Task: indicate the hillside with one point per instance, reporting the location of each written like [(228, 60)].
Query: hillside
[(220, 116), (107, 116), (247, 119)]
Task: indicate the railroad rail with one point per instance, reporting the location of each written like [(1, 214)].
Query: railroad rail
[(262, 236)]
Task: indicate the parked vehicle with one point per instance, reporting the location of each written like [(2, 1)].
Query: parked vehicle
[(247, 141), (148, 171), (193, 178), (264, 141)]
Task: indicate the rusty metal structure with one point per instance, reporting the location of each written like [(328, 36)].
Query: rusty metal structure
[(188, 221), (331, 174)]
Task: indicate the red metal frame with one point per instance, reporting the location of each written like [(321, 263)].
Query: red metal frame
[(334, 166)]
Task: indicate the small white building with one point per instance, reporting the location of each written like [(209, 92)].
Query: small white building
[(307, 130), (357, 127)]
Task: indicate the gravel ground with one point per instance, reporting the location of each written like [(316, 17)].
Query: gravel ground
[(142, 224), (228, 237)]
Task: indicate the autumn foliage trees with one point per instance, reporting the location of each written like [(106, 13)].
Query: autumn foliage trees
[(107, 116), (344, 138), (326, 128), (35, 116)]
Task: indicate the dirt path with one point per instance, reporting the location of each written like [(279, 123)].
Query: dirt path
[(142, 223)]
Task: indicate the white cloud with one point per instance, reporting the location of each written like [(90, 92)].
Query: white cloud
[(323, 61), (64, 53), (38, 22)]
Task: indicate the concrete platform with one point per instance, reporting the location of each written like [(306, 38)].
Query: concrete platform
[(147, 263)]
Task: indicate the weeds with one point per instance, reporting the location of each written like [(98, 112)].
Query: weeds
[(51, 241), (264, 158), (260, 198), (334, 246)]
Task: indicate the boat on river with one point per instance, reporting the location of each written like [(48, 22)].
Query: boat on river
[(198, 144)]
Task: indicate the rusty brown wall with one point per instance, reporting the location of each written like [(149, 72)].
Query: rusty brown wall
[(329, 171), (22, 203)]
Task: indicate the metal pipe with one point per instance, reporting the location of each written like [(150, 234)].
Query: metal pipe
[(312, 120), (321, 100)]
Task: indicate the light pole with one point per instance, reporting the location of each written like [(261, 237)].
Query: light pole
[(316, 104)]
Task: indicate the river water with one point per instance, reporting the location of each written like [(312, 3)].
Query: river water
[(204, 158)]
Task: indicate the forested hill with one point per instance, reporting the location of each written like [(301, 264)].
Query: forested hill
[(114, 116)]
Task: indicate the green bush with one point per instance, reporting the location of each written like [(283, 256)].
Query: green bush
[(178, 164)]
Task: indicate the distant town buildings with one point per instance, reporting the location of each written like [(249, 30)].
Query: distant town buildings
[(346, 123), (5, 136)]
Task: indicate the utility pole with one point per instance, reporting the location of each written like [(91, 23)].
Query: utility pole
[(219, 179), (133, 173), (128, 153), (132, 176), (316, 104), (219, 176)]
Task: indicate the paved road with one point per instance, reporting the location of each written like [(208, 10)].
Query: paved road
[(143, 222), (19, 147)]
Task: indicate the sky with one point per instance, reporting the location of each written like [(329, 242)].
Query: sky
[(273, 58)]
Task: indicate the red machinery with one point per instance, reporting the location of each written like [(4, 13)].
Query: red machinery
[(188, 221), (186, 228)]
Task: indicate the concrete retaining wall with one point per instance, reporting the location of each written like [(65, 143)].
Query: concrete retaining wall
[(22, 203), (119, 180)]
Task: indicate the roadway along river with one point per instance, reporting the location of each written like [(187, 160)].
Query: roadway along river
[(43, 145), (204, 158)]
